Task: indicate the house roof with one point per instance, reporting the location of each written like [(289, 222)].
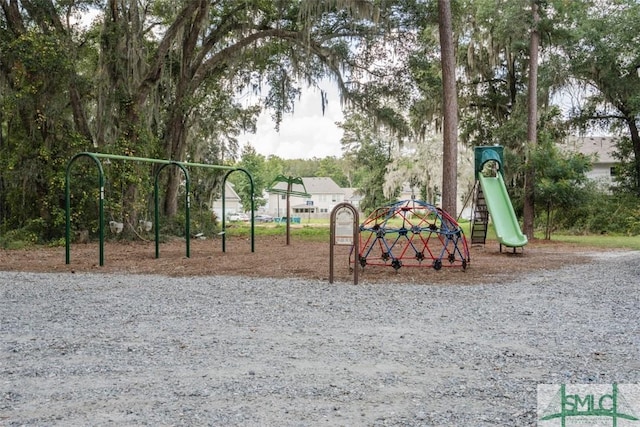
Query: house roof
[(350, 194), (602, 146), (230, 192), (318, 185), (315, 185)]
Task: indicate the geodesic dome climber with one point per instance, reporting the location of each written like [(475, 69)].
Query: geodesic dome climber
[(412, 233)]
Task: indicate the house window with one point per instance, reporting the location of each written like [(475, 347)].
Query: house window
[(283, 197), (303, 210), (613, 171)]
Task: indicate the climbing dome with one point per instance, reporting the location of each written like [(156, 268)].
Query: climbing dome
[(412, 233)]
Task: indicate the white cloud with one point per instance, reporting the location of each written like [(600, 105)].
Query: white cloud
[(305, 134)]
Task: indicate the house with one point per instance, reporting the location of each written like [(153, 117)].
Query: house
[(602, 146), (407, 192), (323, 194), (351, 195), (232, 202)]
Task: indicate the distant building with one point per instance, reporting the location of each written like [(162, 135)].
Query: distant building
[(324, 195), (407, 192), (351, 195), (602, 146), (232, 202)]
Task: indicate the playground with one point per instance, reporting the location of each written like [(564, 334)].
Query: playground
[(406, 233), (259, 337)]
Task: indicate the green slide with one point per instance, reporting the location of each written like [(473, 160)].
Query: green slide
[(501, 210)]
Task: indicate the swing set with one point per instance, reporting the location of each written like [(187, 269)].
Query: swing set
[(165, 163)]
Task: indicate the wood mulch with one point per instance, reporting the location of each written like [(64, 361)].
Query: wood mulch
[(300, 260)]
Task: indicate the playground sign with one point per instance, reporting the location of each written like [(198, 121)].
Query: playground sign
[(344, 231), (344, 225)]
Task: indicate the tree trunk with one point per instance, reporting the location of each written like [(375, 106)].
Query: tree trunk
[(635, 140), (547, 232), (175, 141), (450, 104), (79, 117), (532, 123)]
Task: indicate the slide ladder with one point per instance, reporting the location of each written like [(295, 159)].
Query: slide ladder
[(480, 222)]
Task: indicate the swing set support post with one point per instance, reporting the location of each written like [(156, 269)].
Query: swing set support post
[(67, 185), (156, 206), (224, 212)]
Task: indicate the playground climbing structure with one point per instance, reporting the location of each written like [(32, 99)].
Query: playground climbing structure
[(411, 233)]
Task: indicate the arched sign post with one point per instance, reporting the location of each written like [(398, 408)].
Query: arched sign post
[(344, 231)]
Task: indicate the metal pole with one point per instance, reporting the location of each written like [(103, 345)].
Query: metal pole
[(156, 213), (253, 206), (251, 187), (223, 225), (187, 206), (187, 202), (93, 157), (288, 213)]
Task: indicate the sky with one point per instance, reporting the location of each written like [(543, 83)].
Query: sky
[(306, 133)]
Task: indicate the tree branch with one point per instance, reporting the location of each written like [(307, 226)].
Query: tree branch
[(158, 60), (604, 117), (12, 13)]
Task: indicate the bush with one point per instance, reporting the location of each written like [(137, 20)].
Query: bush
[(201, 221), (603, 213), (19, 238)]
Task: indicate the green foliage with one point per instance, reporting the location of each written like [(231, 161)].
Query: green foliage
[(561, 181), (253, 163), (368, 154), (626, 175), (601, 55), (114, 88), (335, 169), (23, 237), (301, 167), (331, 167), (36, 131), (173, 225), (273, 167), (203, 221), (493, 54), (603, 213)]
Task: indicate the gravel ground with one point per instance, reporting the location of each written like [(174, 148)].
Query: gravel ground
[(90, 349)]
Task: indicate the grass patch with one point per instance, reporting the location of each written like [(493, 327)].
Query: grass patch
[(600, 241), (320, 232), (15, 244), (304, 232)]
